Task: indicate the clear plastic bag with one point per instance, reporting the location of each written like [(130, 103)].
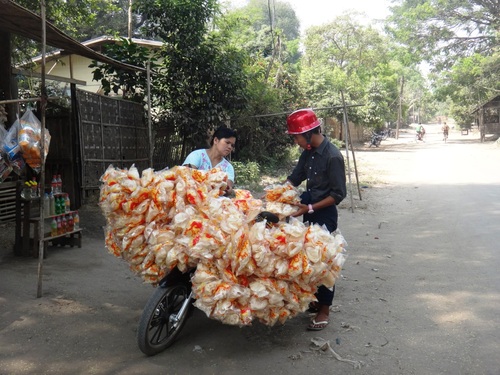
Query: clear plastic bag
[(11, 148), (5, 167), (29, 139)]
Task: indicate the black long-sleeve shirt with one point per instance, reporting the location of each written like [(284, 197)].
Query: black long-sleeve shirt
[(324, 170)]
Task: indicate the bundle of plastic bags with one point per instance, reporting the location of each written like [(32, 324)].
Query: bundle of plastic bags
[(21, 145), (244, 269), (30, 140), (5, 167)]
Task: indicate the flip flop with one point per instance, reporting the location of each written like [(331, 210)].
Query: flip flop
[(317, 326)]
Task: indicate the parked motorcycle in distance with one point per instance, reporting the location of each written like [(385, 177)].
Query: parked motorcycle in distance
[(376, 139), (387, 132)]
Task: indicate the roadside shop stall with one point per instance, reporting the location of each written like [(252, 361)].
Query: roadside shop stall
[(41, 166)]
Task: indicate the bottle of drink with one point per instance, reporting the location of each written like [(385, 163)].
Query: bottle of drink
[(59, 226), (64, 224), (76, 221), (34, 188), (53, 227), (67, 203), (62, 206), (59, 184), (56, 205), (53, 184), (71, 224), (46, 205), (52, 205)]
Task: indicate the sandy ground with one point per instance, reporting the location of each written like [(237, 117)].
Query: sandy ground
[(419, 293)]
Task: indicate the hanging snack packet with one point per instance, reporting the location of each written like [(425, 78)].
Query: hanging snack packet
[(5, 167), (11, 148), (29, 138)]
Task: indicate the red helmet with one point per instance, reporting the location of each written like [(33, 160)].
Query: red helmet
[(302, 121)]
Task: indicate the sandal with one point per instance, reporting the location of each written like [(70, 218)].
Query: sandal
[(317, 326)]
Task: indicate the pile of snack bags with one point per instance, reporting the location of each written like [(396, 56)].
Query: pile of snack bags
[(245, 269), (21, 144)]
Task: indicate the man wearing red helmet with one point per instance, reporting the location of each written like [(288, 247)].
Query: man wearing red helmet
[(322, 165)]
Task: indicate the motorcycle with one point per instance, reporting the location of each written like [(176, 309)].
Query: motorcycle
[(387, 132), (376, 139), (169, 307)]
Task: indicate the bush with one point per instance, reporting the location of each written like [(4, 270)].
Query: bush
[(337, 142), (246, 174)]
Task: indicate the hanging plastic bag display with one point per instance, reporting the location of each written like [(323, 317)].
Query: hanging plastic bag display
[(29, 139), (5, 167), (12, 150)]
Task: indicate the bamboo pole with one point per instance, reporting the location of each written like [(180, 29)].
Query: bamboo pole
[(346, 132), (352, 147), (150, 131), (43, 105), (37, 99)]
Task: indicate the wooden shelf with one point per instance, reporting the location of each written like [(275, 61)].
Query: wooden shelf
[(63, 214), (48, 237)]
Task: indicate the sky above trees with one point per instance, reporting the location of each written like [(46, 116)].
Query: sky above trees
[(318, 12)]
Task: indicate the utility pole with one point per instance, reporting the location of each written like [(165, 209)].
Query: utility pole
[(130, 19), (400, 109)]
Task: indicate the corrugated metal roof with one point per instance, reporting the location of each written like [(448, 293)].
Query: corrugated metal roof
[(18, 20)]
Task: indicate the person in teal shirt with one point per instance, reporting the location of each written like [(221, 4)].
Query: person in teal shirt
[(222, 144)]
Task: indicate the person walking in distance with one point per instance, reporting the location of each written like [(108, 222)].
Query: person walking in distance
[(321, 164), (445, 129)]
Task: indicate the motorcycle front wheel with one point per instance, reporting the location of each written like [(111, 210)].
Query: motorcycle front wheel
[(163, 319)]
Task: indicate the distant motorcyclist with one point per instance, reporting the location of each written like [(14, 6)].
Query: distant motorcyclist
[(420, 132)]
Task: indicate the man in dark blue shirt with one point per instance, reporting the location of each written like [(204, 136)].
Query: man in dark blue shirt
[(322, 165)]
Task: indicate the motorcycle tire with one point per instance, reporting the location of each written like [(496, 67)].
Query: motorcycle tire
[(160, 324)]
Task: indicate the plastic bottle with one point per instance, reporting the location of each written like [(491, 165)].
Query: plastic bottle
[(71, 224), (59, 226), (62, 207), (53, 184), (53, 227), (76, 221), (52, 205), (46, 205), (64, 224), (59, 184), (67, 203), (34, 188), (56, 205)]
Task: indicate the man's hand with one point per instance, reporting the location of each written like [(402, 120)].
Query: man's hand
[(303, 209)]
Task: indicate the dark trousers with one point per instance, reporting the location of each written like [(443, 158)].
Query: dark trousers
[(328, 217), (325, 295)]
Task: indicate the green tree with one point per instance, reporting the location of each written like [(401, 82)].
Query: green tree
[(272, 81), (200, 79), (469, 83), (130, 84), (441, 31), (81, 20), (347, 56)]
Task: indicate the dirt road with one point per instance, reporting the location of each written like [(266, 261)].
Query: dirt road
[(419, 294)]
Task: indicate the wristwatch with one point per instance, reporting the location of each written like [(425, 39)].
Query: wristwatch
[(311, 211)]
